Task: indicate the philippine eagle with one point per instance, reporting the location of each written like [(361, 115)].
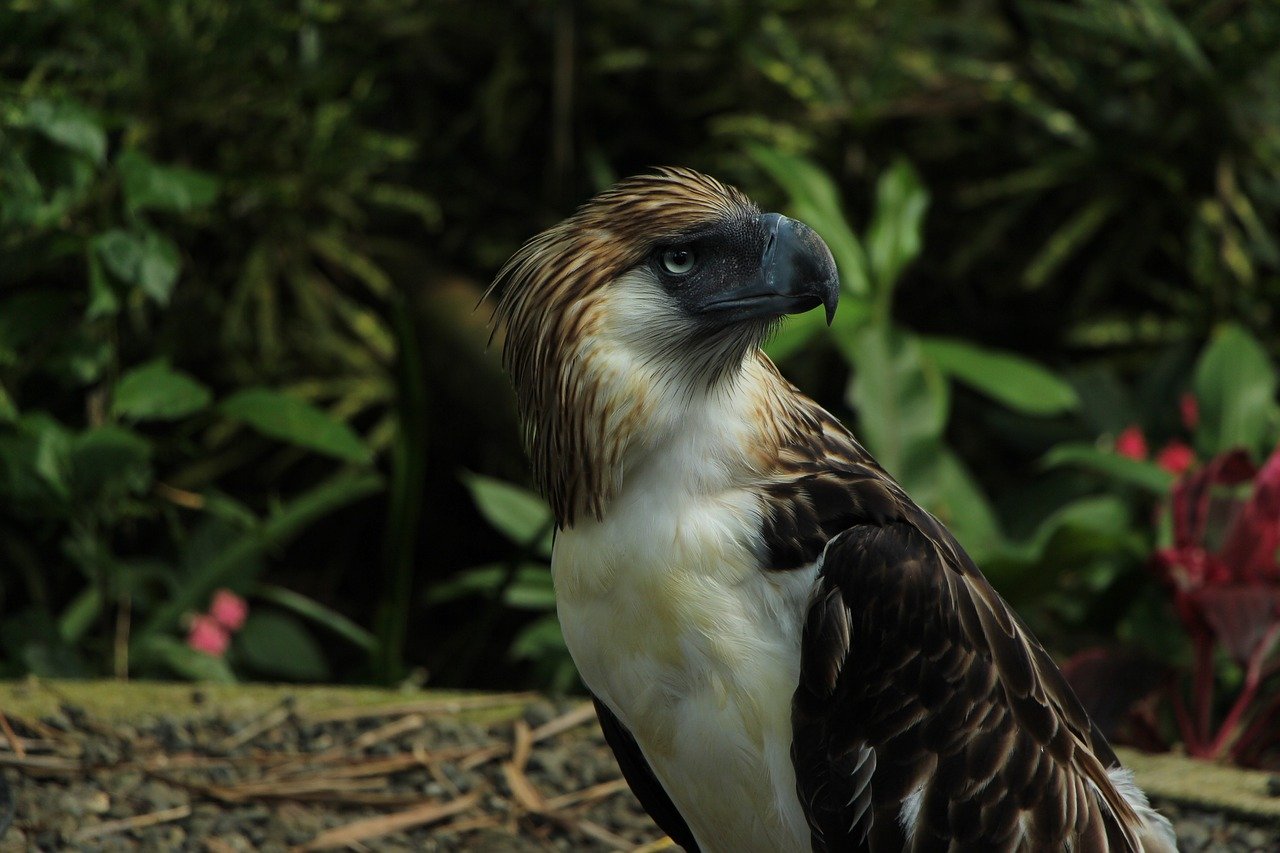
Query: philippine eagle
[(785, 651)]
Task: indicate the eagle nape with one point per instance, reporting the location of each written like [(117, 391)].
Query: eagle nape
[(785, 650)]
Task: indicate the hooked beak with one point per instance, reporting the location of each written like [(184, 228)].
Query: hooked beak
[(796, 273)]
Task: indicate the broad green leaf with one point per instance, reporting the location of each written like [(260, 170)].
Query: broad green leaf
[(145, 259), (276, 644), (148, 185), (1019, 383), (943, 485), (1135, 472), (893, 237), (816, 202), (798, 331), (1094, 525), (517, 512), (184, 660), (309, 608), (110, 461), (295, 421), (1235, 385), (155, 391), (900, 397), (68, 124)]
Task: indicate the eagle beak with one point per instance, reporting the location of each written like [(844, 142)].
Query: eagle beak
[(796, 274)]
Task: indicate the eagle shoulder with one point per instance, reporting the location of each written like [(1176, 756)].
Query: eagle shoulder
[(926, 710)]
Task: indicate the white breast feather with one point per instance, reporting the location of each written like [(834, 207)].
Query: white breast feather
[(674, 625)]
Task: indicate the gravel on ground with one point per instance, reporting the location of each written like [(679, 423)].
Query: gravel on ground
[(422, 775)]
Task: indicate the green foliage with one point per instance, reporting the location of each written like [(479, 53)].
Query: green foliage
[(289, 419), (899, 383), (218, 223), (275, 645), (1235, 384)]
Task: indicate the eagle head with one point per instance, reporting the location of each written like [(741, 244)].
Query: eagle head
[(654, 291)]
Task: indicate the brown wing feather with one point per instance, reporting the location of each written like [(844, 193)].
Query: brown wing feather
[(917, 678)]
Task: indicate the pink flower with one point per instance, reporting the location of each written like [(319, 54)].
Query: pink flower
[(228, 609), (1132, 443), (207, 635), (1190, 409), (1176, 457)]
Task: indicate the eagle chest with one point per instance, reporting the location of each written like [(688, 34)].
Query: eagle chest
[(673, 624)]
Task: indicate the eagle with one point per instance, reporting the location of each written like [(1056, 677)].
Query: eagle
[(785, 651)]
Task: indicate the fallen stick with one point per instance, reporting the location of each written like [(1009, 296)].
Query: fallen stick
[(373, 827), (127, 824)]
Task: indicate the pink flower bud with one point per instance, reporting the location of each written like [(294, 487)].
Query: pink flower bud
[(1176, 457), (228, 609), (1132, 443), (207, 636)]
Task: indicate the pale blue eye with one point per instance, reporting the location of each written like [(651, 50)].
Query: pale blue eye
[(678, 261)]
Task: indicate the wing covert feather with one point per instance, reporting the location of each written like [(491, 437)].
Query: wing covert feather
[(908, 654)]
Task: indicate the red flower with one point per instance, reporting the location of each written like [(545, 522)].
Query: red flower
[(1223, 569), (208, 636), (1132, 443), (1176, 457), (1190, 408)]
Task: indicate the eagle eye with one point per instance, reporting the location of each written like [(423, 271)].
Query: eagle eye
[(679, 260)]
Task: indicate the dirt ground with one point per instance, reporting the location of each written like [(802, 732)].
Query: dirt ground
[(495, 773)]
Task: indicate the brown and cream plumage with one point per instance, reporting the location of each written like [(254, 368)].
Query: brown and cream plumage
[(786, 652)]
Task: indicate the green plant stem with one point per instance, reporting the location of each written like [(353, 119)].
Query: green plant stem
[(408, 478)]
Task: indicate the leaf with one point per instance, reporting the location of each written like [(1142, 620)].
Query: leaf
[(276, 644), (530, 588), (184, 660), (309, 608), (1019, 383), (148, 185), (155, 391), (68, 124), (1067, 240), (539, 638), (292, 420), (8, 411), (901, 399), (945, 487), (145, 259), (517, 512), (1145, 475), (816, 201), (1235, 385), (227, 557), (110, 461), (893, 237), (1073, 532)]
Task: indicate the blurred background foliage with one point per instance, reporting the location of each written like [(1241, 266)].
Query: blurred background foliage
[(241, 245)]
